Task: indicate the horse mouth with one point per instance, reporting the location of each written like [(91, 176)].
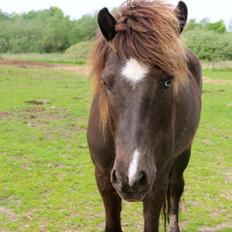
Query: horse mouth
[(132, 196)]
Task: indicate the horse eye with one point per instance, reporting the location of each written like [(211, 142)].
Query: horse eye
[(107, 85), (104, 83), (168, 83)]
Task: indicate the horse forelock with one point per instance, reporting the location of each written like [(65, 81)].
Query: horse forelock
[(149, 32)]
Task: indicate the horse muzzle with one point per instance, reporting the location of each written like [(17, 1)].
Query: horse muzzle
[(131, 189)]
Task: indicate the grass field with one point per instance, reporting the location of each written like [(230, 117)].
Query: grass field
[(79, 53), (46, 177), (218, 74), (52, 58)]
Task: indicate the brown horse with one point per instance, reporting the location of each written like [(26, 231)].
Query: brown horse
[(145, 110)]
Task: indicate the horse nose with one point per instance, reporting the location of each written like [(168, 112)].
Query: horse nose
[(140, 180), (114, 178), (137, 183)]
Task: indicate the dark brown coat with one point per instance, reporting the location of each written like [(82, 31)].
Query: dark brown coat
[(159, 116)]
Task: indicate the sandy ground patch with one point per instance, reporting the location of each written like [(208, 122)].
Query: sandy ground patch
[(8, 213), (216, 82), (219, 227), (81, 69)]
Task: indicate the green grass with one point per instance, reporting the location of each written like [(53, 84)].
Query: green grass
[(51, 58), (80, 50), (220, 74), (46, 178)]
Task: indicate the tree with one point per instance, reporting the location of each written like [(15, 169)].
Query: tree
[(56, 31), (191, 25), (230, 26), (204, 23), (209, 45), (218, 26), (3, 16), (84, 28)]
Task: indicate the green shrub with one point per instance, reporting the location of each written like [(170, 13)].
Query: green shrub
[(48, 31), (36, 31), (84, 29), (209, 45), (80, 50)]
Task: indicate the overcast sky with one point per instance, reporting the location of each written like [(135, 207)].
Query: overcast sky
[(198, 9)]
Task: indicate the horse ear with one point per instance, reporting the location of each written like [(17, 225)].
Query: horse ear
[(107, 24), (182, 14)]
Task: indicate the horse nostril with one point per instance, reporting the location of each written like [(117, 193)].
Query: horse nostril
[(113, 177), (142, 179)]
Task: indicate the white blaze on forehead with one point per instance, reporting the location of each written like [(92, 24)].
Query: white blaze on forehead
[(134, 71), (133, 167)]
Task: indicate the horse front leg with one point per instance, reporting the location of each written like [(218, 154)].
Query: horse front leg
[(152, 206), (112, 202), (176, 188)]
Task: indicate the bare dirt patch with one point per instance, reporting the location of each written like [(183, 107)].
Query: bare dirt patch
[(25, 64), (8, 213), (228, 195), (35, 110), (81, 69), (228, 176), (213, 91), (217, 212), (220, 82), (38, 102), (4, 115), (29, 214), (218, 227), (84, 69)]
